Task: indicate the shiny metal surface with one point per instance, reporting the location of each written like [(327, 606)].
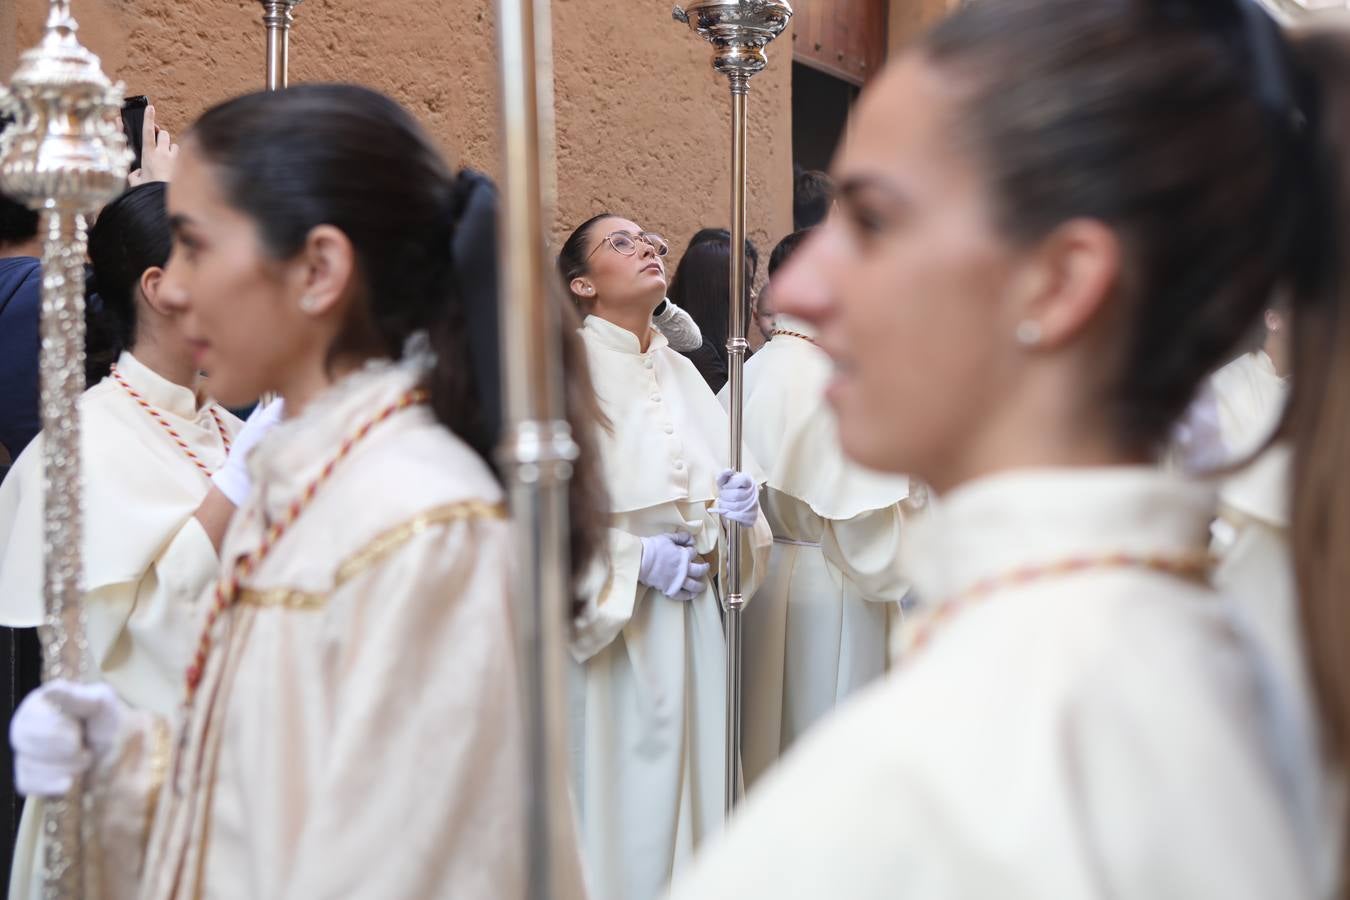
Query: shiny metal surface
[(739, 30), (538, 450), (66, 156), (277, 18)]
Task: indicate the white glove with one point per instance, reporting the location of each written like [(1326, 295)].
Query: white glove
[(1199, 435), (233, 480), (678, 326), (737, 498), (58, 731), (668, 565)]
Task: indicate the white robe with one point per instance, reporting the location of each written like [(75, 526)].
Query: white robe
[(146, 557), (357, 732), (648, 690), (817, 630), (1086, 735)]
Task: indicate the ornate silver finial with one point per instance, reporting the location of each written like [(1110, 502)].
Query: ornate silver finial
[(739, 30)]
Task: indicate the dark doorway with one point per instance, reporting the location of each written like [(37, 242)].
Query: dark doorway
[(820, 105)]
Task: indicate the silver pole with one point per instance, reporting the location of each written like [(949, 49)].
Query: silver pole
[(739, 31), (538, 451), (277, 19), (66, 156)]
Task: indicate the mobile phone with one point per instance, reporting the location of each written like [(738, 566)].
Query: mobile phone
[(133, 121)]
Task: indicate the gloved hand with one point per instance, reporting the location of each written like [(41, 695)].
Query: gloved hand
[(678, 326), (58, 731), (668, 565), (233, 480), (737, 498), (1198, 435)]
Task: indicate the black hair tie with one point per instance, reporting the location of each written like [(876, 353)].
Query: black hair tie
[(473, 253)]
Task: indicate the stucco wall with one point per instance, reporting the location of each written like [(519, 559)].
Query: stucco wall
[(642, 118)]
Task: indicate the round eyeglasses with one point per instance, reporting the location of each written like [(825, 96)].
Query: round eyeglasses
[(625, 243)]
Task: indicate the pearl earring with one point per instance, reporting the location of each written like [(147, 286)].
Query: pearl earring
[(1029, 332), (309, 303)]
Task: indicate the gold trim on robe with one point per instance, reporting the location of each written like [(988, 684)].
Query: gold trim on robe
[(372, 553)]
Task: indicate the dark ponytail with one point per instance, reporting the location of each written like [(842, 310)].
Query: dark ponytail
[(131, 235), (424, 240)]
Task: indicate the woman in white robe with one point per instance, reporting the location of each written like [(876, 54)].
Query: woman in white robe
[(150, 440), (648, 691), (1019, 307), (817, 631), (352, 725)]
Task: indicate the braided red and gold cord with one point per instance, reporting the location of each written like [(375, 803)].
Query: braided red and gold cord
[(1193, 566), (796, 334), (227, 589), (164, 423)]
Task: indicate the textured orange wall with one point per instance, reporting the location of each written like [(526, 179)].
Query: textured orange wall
[(642, 118)]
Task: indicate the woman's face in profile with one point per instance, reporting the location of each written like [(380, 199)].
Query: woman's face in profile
[(903, 281)]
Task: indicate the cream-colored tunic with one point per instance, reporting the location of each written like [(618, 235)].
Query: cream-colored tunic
[(357, 733), (146, 557), (818, 627), (648, 692), (1086, 735)]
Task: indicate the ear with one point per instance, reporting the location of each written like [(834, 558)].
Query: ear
[(152, 279), (1274, 321), (327, 264), (1066, 281), (582, 287)]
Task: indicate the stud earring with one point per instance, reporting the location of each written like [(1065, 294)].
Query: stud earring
[(309, 303), (1029, 332)]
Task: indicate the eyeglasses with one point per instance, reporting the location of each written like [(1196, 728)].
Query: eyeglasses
[(625, 243)]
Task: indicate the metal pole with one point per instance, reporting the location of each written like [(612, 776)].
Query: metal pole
[(538, 451), (66, 155), (739, 30), (277, 18), (736, 349)]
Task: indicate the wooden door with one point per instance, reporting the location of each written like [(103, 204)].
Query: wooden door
[(844, 38)]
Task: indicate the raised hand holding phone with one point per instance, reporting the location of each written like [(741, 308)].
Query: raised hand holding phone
[(159, 154)]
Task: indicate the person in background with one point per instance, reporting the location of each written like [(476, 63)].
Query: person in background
[(817, 631), (20, 308), (648, 688), (1055, 219), (325, 251), (763, 301), (154, 444), (812, 195), (700, 286)]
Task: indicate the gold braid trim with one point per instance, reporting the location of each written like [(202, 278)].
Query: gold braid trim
[(160, 750), (374, 552)]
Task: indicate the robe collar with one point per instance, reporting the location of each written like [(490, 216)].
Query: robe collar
[(993, 525), (620, 339), (157, 390)]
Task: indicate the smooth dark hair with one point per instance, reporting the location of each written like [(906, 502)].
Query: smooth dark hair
[(812, 194), (702, 279), (785, 248), (572, 256), (424, 240), (1214, 148), (131, 235)]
